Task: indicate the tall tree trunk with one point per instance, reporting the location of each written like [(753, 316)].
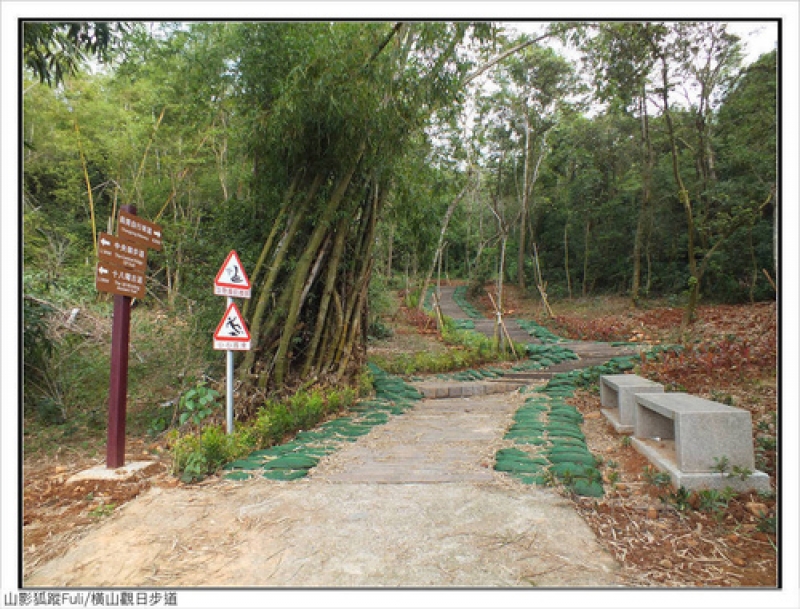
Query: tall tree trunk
[(566, 259), (523, 212), (390, 248), (647, 190), (686, 202), (586, 234)]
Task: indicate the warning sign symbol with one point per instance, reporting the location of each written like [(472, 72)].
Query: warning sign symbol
[(231, 279), (232, 333)]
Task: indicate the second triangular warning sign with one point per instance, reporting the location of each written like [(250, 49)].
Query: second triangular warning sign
[(231, 279), (232, 333)]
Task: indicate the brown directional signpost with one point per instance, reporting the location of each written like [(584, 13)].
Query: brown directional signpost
[(121, 265)]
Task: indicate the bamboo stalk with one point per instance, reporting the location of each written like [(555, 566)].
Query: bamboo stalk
[(304, 263), (147, 149), (88, 188)]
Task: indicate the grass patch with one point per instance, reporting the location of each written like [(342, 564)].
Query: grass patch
[(464, 349)]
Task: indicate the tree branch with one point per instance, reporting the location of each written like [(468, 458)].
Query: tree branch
[(501, 57), (386, 41)]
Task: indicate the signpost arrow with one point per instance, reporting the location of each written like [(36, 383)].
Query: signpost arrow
[(138, 229), (119, 280), (132, 254)]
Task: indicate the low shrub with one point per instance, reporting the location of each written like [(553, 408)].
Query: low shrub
[(200, 454)]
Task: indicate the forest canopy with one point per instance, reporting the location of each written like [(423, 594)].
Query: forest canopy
[(338, 158)]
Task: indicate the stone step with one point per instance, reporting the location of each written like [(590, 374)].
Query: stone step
[(443, 389)]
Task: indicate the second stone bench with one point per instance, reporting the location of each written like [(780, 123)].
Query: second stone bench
[(618, 398)]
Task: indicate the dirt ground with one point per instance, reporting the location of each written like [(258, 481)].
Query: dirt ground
[(651, 540)]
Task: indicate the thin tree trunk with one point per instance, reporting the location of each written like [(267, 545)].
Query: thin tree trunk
[(586, 258), (390, 245), (440, 245), (523, 212), (683, 196), (566, 259), (647, 188)]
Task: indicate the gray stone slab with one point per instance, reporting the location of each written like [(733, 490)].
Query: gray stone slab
[(664, 460), (101, 472), (612, 416)]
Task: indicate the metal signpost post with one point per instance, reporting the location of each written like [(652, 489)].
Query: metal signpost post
[(232, 333), (120, 271)]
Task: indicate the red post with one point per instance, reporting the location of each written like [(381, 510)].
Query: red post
[(118, 390)]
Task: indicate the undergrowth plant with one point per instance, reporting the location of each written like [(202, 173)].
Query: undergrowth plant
[(197, 454), (197, 404)]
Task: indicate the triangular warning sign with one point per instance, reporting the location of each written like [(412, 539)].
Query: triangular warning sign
[(232, 333), (231, 279)]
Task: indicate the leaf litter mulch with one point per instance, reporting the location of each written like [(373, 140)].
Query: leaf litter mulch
[(662, 536)]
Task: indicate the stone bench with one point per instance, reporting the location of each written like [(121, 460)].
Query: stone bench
[(688, 436), (618, 398)]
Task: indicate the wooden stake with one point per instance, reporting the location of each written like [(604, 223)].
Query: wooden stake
[(499, 314), (542, 288), (771, 282), (438, 309)]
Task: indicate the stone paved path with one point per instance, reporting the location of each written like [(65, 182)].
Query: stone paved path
[(440, 440)]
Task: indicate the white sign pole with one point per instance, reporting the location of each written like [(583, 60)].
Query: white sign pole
[(232, 334), (230, 384)]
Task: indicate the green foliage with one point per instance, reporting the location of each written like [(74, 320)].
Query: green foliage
[(655, 478), (102, 510), (738, 471), (37, 351), (721, 464), (55, 50), (679, 499), (197, 404), (466, 348), (767, 524), (714, 501)]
